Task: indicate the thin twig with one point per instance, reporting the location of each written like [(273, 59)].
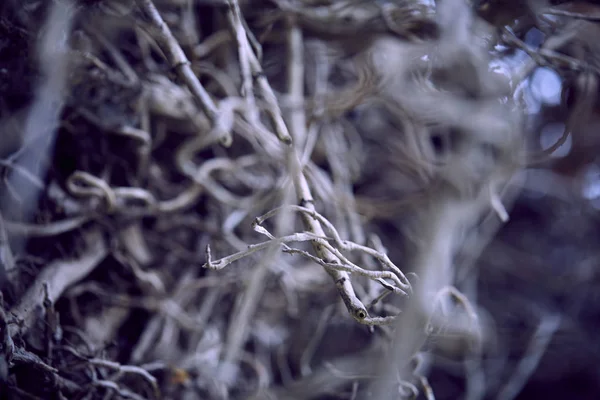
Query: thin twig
[(176, 57), (530, 360)]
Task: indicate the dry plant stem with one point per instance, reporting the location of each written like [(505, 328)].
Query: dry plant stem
[(167, 99), (309, 352), (295, 78), (343, 18), (219, 192), (446, 216), (49, 229), (341, 278), (225, 261), (176, 57), (273, 108), (326, 379), (115, 54), (43, 115), (247, 303), (212, 42), (526, 367), (235, 22), (347, 266), (147, 339), (149, 281), (128, 369), (437, 235), (460, 298), (185, 199), (182, 295), (115, 388), (220, 78), (475, 378), (32, 178), (206, 309), (58, 276), (103, 327), (303, 193), (426, 387), (344, 168), (135, 244), (321, 68), (145, 140), (575, 15), (340, 263), (264, 379), (20, 356), (7, 258), (236, 217), (81, 183), (116, 198), (165, 307), (344, 244)]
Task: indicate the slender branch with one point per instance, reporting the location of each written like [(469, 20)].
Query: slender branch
[(176, 57), (537, 347), (303, 192)]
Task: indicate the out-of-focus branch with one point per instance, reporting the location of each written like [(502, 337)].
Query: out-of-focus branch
[(58, 276)]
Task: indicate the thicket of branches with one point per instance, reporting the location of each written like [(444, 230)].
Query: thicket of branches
[(298, 199)]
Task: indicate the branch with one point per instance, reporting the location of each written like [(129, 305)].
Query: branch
[(57, 276), (176, 57)]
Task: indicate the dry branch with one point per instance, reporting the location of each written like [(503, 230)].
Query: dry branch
[(57, 277), (215, 156)]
